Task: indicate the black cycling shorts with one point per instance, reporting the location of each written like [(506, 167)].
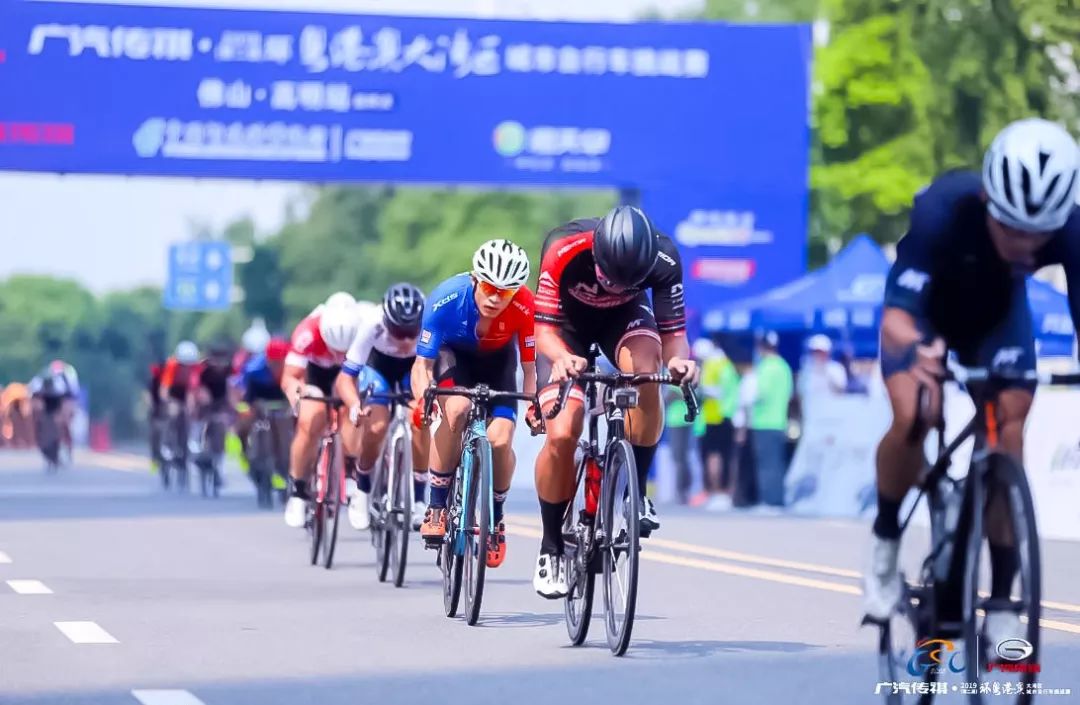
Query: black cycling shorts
[(609, 328), (468, 368), (322, 377)]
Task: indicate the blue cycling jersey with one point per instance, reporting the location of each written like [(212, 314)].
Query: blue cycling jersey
[(258, 382), (451, 316)]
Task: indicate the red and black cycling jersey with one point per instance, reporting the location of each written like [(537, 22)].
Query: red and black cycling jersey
[(568, 287)]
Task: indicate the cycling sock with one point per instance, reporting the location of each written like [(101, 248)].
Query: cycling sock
[(887, 523), (1004, 563), (419, 484), (298, 488), (440, 488), (552, 515), (643, 458), (363, 478), (500, 500)]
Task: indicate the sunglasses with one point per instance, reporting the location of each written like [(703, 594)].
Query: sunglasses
[(490, 290)]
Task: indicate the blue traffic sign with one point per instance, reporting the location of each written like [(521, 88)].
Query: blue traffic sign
[(200, 276)]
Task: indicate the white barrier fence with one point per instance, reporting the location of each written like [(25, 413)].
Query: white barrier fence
[(832, 473)]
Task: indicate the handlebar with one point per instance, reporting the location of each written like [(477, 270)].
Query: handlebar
[(623, 379), (481, 394), (955, 372), (401, 397)]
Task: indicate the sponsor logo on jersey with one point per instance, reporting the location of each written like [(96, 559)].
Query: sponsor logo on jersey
[(569, 246), (913, 280), (530, 342), (425, 337), (1006, 357), (666, 257), (303, 341), (593, 295), (521, 307), (443, 301), (635, 323)]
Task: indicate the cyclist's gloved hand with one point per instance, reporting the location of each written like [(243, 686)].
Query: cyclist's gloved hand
[(567, 366), (928, 366), (683, 371)]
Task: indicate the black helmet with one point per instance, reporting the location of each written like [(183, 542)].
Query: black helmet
[(625, 246), (403, 307)]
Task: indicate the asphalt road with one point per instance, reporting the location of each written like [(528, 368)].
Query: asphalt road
[(213, 602)]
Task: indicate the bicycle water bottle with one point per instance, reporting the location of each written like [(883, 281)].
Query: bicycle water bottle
[(592, 486), (951, 502)]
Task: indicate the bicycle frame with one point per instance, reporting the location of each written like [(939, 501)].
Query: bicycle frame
[(476, 428)]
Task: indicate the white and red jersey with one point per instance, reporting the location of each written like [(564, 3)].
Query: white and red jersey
[(308, 346)]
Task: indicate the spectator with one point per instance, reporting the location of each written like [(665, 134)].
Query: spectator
[(18, 418), (720, 398), (821, 378), (771, 393), (680, 437)]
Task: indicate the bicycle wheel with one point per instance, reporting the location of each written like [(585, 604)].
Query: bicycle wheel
[(897, 641), (380, 530), (620, 519), (315, 527), (477, 526), (449, 562), (577, 540), (973, 657), (401, 521), (332, 504), (1007, 481)]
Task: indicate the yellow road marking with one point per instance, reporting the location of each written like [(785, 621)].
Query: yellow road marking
[(651, 554)]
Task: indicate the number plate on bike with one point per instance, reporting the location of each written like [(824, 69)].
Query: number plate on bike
[(626, 398)]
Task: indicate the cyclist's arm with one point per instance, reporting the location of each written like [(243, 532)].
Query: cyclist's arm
[(674, 345), (1065, 250), (549, 343), (345, 386), (669, 303), (423, 373)]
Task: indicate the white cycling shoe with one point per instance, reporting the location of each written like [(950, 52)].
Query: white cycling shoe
[(1001, 626), (549, 581), (881, 584), (359, 518), (295, 512)]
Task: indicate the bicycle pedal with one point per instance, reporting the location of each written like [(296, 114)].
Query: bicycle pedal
[(644, 533), (434, 543)]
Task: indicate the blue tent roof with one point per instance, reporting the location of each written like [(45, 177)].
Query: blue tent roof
[(846, 293)]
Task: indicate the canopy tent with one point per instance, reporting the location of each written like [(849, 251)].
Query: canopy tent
[(844, 299)]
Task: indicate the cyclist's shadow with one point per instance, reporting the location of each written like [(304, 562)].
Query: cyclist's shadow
[(655, 649)]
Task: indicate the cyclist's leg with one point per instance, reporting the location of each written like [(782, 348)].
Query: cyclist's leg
[(310, 425), (555, 480), (445, 451), (637, 349), (1011, 345)]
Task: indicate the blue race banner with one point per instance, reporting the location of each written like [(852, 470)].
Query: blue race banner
[(713, 115)]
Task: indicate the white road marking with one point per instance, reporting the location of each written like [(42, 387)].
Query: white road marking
[(4, 558), (85, 633), (166, 697), (29, 587)]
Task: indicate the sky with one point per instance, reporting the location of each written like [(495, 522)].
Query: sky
[(113, 232)]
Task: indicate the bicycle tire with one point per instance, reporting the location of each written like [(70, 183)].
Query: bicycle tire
[(451, 564), (402, 507), (580, 579), (976, 498), (380, 530), (315, 526), (619, 481), (894, 658), (1005, 473), (478, 514), (332, 504)]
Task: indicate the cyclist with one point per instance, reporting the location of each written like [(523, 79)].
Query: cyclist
[(959, 283), (594, 275), (155, 409), (260, 381), (470, 321), (213, 402), (55, 390), (15, 404), (177, 380), (318, 348), (381, 356)]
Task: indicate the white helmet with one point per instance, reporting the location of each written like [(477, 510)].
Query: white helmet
[(1031, 174), (501, 263), (187, 352), (338, 326), (341, 298), (256, 338)]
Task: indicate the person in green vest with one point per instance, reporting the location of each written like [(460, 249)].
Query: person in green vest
[(719, 401), (771, 394)]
